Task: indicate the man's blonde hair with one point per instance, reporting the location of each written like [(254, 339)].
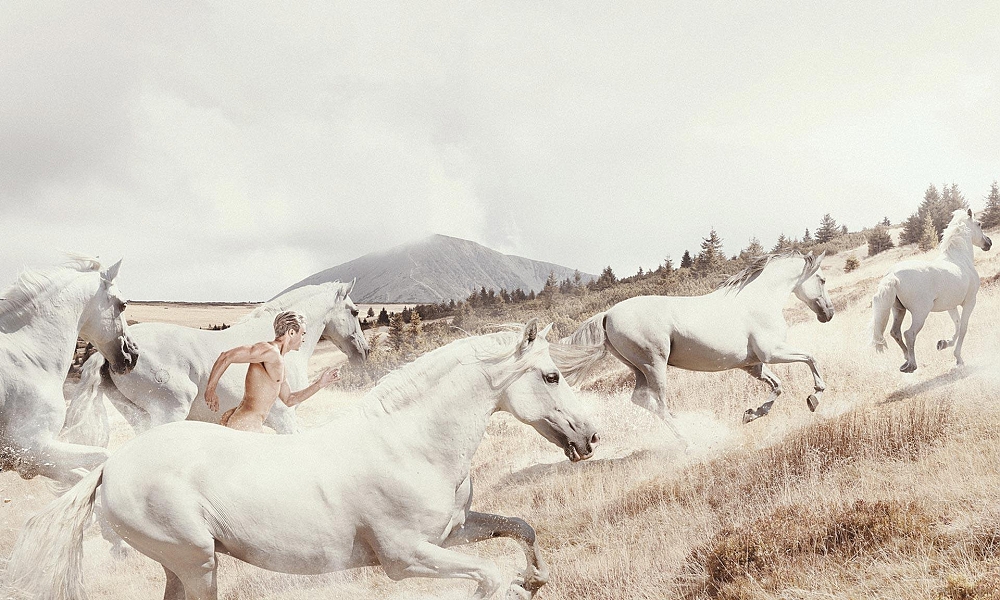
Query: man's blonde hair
[(288, 321)]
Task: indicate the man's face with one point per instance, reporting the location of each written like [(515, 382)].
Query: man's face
[(296, 338)]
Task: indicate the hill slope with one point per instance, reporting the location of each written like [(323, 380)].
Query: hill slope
[(437, 268)]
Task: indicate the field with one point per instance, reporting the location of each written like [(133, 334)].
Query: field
[(889, 490)]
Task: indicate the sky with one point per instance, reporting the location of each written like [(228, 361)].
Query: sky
[(228, 150)]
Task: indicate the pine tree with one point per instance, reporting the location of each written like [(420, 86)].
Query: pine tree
[(886, 222), (668, 265), (711, 257), (991, 216), (686, 262), (782, 244), (807, 239), (371, 312), (879, 240), (929, 235), (606, 279), (827, 229), (396, 330), (383, 317), (416, 324)]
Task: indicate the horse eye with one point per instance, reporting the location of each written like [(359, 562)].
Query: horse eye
[(551, 377), (354, 312)]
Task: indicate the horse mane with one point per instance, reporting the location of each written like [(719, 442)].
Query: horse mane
[(956, 231), (758, 264), (287, 301), (496, 353), (31, 284)]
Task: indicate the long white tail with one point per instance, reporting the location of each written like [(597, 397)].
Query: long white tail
[(882, 303), (48, 555), (86, 417), (578, 352)]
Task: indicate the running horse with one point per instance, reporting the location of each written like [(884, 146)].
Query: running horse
[(41, 317), (738, 326), (385, 483), (169, 383), (922, 287)]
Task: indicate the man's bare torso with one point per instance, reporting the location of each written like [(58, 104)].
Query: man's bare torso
[(263, 382)]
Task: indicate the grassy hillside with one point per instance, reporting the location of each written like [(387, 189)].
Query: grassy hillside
[(889, 490)]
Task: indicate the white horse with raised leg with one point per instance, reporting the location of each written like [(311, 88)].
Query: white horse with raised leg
[(386, 483), (41, 317), (738, 326), (922, 287), (169, 382)]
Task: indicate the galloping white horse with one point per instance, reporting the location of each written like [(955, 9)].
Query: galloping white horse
[(41, 317), (387, 482), (169, 382), (738, 326), (922, 287)]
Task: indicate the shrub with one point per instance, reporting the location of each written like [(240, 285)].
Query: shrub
[(851, 264)]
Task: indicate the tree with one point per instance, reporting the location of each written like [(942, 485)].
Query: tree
[(929, 235), (550, 288), (396, 330), (416, 324), (668, 265), (879, 240), (827, 229), (686, 262), (807, 239), (371, 312), (383, 317), (748, 254), (606, 279), (851, 263), (991, 216), (782, 244), (886, 222), (710, 258)]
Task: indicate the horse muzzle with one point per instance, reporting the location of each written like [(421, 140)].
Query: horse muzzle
[(987, 244), (824, 311), (576, 453), (126, 357)]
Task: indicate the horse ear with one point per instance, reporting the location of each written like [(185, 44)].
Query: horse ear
[(970, 213), (545, 332), (530, 331), (111, 272), (351, 287)]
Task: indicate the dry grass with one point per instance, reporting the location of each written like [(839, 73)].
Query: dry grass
[(889, 490)]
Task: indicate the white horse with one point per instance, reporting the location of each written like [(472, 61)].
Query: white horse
[(923, 287), (41, 317), (386, 483), (169, 382), (738, 326)]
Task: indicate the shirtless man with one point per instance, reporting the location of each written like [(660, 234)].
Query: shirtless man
[(265, 380)]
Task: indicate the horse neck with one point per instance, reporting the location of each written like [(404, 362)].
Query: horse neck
[(315, 309), (442, 413), (958, 249), (773, 286), (55, 326)]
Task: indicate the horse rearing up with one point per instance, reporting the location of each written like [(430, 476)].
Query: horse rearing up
[(738, 326), (385, 483), (923, 287)]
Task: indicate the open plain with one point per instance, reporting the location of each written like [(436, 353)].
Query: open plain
[(889, 490)]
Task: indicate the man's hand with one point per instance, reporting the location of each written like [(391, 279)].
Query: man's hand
[(212, 399), (329, 376)]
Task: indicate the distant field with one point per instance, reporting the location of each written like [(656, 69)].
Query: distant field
[(206, 314)]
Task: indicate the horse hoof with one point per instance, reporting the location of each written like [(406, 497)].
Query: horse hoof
[(908, 368), (749, 415), (942, 344), (812, 402)]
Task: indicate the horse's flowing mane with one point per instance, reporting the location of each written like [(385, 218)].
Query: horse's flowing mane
[(748, 275), (32, 284), (496, 353), (957, 233)]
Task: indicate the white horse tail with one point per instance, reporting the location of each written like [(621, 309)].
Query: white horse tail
[(86, 417), (882, 303), (48, 555), (590, 333), (576, 353)]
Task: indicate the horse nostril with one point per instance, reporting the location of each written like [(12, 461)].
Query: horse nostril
[(595, 439)]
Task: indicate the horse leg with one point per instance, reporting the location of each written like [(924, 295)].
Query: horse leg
[(656, 376), (896, 331), (783, 353), (963, 328), (483, 526), (760, 371), (942, 344), (174, 589), (136, 416), (423, 559), (917, 319)]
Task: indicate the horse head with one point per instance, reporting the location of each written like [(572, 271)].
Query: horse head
[(103, 324), (542, 398), (811, 288), (343, 327), (978, 237)]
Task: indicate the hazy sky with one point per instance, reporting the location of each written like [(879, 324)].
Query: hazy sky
[(227, 150)]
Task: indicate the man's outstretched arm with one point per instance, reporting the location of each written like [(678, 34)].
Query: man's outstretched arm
[(329, 376)]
